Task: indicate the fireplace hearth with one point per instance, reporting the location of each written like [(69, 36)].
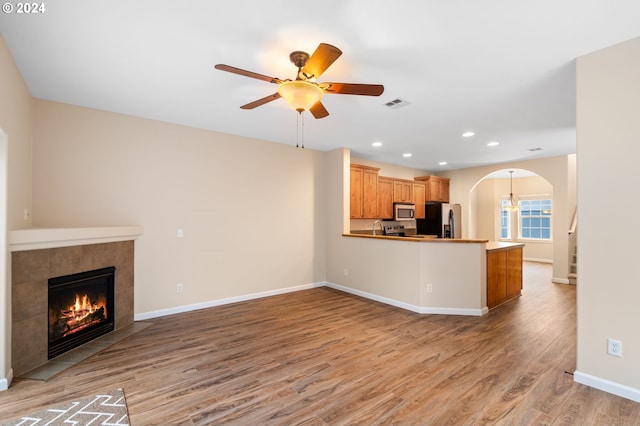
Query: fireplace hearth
[(81, 308)]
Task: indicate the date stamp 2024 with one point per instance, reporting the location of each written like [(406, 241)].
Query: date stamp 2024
[(23, 8)]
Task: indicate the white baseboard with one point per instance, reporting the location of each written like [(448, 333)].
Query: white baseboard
[(418, 309), (408, 306), (560, 280), (607, 386), (5, 382), (194, 307)]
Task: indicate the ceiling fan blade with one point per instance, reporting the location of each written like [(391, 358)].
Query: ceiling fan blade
[(246, 73), (318, 110), (321, 59), (266, 99), (354, 89)]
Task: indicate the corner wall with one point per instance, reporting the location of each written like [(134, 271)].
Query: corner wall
[(608, 105), (16, 122), (252, 212)]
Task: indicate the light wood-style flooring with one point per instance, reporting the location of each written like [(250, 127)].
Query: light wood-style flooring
[(323, 357)]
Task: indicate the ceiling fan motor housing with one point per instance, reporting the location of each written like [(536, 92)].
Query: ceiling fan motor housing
[(299, 58)]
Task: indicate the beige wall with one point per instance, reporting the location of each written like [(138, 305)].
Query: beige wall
[(608, 108), (251, 211), (16, 114)]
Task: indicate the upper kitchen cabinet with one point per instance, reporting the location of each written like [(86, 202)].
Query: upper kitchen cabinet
[(437, 188), (419, 198), (385, 198), (364, 191), (402, 191)]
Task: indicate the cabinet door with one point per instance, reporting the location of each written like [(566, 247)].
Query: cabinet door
[(401, 191), (443, 190), (418, 199), (496, 278), (385, 198), (370, 194), (514, 272), (357, 180)]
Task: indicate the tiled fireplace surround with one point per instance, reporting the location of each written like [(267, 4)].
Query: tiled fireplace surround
[(83, 250)]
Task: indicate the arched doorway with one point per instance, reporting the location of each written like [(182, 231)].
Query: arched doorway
[(531, 224)]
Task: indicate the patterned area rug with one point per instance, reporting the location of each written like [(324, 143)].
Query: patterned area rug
[(107, 408)]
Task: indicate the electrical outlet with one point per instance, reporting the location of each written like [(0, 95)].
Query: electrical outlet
[(180, 233), (429, 288), (346, 272), (614, 347), (179, 288)]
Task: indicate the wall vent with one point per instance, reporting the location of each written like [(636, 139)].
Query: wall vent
[(397, 103)]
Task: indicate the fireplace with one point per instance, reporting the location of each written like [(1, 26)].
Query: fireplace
[(81, 308)]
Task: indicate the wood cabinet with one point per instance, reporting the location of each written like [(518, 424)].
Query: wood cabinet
[(402, 191), (437, 188), (364, 192), (385, 198), (418, 192), (504, 275)]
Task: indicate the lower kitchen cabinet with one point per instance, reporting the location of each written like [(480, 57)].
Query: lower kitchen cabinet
[(504, 275)]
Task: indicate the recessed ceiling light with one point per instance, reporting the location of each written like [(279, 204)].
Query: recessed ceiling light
[(468, 134), (407, 154), (376, 144), (442, 163), (493, 143)]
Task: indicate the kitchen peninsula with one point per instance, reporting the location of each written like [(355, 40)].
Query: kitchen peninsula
[(435, 276)]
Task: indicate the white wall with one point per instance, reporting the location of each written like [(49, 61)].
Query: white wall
[(252, 211), (608, 112), (16, 114)]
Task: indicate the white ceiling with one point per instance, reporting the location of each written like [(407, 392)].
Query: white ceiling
[(502, 68)]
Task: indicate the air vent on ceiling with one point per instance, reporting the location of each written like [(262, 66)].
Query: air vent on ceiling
[(396, 103), (534, 149)]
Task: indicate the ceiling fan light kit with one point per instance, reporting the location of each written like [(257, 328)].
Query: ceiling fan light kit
[(300, 95), (303, 93)]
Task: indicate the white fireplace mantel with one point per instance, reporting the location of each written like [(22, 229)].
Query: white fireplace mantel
[(43, 238)]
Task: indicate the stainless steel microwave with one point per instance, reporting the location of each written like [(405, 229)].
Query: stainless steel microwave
[(404, 211)]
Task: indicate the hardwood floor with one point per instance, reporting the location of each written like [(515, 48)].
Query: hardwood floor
[(321, 356)]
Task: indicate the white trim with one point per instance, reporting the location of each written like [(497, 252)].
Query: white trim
[(607, 386), (533, 259), (560, 280), (5, 382), (408, 306), (220, 302), (43, 238)]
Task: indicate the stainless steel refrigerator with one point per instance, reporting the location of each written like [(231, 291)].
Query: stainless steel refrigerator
[(441, 219)]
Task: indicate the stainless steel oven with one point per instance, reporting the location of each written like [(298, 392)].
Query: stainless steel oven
[(404, 211)]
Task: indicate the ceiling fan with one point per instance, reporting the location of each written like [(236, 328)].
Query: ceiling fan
[(304, 93)]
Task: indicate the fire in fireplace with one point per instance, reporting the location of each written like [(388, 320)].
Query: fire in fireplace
[(80, 308)]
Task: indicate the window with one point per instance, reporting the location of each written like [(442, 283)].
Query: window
[(505, 220), (535, 219)]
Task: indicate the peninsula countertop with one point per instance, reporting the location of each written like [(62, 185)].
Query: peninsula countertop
[(415, 238)]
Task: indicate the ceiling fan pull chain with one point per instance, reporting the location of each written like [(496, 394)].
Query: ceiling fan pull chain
[(297, 132)]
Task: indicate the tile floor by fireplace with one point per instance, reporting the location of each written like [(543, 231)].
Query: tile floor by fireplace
[(74, 356)]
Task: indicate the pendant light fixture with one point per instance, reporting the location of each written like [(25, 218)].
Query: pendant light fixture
[(512, 206)]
